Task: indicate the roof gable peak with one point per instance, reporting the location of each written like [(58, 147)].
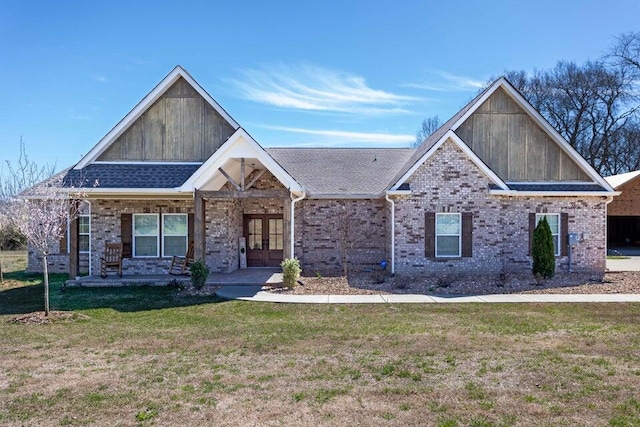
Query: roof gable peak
[(156, 93)]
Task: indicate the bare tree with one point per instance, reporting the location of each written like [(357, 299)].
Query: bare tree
[(16, 177), (41, 213), (428, 126), (626, 52)]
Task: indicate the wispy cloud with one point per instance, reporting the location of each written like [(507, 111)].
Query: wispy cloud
[(312, 88), (338, 137), (441, 81), (100, 78)]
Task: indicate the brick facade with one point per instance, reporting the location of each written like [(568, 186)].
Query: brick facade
[(628, 202), (326, 229), (450, 182)]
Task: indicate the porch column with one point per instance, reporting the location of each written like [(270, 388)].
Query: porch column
[(286, 228), (74, 255), (199, 227)]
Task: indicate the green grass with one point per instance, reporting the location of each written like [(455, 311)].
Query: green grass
[(617, 257), (146, 356)]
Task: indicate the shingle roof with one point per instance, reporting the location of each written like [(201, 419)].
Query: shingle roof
[(342, 171), (560, 186), (103, 175)]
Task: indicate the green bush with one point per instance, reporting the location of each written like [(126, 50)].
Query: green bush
[(542, 251), (290, 271), (199, 273), (11, 238)]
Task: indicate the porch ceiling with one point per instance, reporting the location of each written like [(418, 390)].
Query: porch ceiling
[(233, 167)]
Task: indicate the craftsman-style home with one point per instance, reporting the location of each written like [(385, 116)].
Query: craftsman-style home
[(178, 170)]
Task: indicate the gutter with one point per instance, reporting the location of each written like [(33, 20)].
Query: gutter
[(293, 222), (553, 193)]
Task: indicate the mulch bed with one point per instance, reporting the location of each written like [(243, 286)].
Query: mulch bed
[(562, 283)]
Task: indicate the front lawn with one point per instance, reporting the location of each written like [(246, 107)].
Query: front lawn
[(145, 356)]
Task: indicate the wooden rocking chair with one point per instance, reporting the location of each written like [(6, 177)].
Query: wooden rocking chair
[(180, 264), (112, 259)]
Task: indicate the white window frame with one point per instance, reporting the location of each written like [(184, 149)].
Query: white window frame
[(558, 234), (133, 235), (177, 235), (84, 234), (459, 235)]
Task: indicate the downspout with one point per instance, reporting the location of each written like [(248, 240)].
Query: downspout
[(293, 223), (608, 200), (90, 237), (393, 234)]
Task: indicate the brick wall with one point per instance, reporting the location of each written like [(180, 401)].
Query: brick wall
[(628, 202), (325, 229), (450, 182)]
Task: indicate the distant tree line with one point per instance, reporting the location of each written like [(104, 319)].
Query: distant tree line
[(595, 106)]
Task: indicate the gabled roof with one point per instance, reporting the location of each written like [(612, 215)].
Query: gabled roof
[(144, 105), (617, 181), (459, 118), (339, 172), (239, 145), (451, 135)]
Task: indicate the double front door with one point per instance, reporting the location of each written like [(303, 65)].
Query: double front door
[(265, 240)]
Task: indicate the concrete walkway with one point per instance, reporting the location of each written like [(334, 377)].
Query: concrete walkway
[(255, 293)]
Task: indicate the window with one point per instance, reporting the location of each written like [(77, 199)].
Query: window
[(174, 234), (84, 233), (448, 235), (554, 224), (276, 241), (145, 235)]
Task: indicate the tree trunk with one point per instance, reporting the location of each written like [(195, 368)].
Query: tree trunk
[(46, 286)]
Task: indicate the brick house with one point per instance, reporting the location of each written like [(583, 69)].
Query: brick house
[(623, 214), (179, 169)]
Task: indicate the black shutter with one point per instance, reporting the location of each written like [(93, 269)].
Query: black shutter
[(467, 234), (564, 234), (532, 226), (190, 219), (430, 234), (63, 238), (125, 234)]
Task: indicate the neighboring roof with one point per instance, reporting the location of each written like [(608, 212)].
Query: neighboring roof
[(144, 105), (114, 175), (452, 125), (342, 171), (619, 180)]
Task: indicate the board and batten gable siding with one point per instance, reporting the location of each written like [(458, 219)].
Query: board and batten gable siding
[(508, 140), (180, 126)]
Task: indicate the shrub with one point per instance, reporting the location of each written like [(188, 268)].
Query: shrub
[(542, 252), (290, 271), (199, 273)]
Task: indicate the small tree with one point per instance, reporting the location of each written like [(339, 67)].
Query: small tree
[(41, 214), (542, 251)]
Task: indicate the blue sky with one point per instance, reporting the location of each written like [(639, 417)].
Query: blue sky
[(324, 73)]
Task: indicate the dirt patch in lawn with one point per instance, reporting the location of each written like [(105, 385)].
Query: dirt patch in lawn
[(373, 283), (39, 317)]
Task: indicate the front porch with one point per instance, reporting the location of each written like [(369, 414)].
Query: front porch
[(248, 276)]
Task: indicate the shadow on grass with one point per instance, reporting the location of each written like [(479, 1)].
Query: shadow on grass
[(25, 294)]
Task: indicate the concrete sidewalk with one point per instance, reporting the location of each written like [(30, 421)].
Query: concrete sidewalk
[(255, 293)]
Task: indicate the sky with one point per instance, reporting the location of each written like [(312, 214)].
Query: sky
[(292, 73)]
